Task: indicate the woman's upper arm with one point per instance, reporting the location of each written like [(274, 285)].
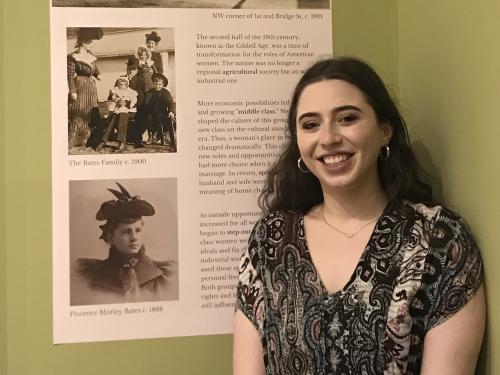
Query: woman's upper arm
[(248, 356), (452, 347)]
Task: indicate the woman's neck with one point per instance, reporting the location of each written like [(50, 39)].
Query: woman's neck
[(84, 56), (360, 204)]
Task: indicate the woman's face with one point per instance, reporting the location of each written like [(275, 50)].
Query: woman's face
[(151, 44), (87, 45), (128, 238), (338, 135), (132, 72)]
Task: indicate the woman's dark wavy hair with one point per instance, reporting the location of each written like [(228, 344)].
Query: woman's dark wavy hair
[(287, 188)]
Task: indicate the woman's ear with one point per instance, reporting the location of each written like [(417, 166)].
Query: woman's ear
[(387, 131)]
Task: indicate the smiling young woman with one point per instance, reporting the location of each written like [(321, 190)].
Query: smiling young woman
[(353, 268)]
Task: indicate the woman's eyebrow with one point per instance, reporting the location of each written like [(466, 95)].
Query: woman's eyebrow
[(334, 111), (346, 108), (307, 114)]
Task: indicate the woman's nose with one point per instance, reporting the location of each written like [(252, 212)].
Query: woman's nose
[(330, 135)]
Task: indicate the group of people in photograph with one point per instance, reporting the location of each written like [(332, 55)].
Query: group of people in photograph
[(140, 109)]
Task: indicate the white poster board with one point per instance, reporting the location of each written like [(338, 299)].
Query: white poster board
[(230, 75)]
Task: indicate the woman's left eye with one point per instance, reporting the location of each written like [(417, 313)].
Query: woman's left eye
[(348, 119)]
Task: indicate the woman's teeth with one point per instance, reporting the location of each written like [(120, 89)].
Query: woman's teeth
[(335, 159)]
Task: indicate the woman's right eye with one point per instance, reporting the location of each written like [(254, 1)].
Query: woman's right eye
[(307, 125)]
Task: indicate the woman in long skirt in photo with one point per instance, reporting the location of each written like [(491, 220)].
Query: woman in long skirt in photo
[(82, 98)]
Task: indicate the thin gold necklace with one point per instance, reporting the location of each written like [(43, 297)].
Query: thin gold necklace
[(346, 234)]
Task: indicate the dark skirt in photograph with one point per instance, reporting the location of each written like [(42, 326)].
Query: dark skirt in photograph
[(82, 82)]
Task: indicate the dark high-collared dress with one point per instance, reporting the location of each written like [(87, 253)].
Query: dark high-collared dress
[(122, 278)]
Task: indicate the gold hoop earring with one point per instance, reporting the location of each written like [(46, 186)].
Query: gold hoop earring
[(385, 153), (303, 169)]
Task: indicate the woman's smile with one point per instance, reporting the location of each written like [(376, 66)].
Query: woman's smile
[(336, 160)]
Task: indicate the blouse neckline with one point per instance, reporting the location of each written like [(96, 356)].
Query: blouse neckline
[(84, 57), (362, 257)]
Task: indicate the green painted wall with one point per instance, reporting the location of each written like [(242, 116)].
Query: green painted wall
[(449, 85), (3, 297), (368, 30)]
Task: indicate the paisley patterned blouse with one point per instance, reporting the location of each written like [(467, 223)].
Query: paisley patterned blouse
[(420, 266)]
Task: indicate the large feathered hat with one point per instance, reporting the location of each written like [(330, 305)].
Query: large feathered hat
[(125, 206), (89, 33), (153, 36)]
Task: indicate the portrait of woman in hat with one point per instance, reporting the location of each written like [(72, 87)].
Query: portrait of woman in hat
[(128, 274), (82, 72)]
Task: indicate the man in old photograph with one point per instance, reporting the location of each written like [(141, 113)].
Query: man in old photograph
[(128, 274)]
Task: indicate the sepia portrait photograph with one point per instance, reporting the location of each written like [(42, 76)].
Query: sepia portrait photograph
[(214, 4), (121, 90), (123, 241)]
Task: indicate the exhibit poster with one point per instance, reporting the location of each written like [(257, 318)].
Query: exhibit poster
[(166, 115)]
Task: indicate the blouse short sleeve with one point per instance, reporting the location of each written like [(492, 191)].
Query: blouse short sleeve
[(249, 295), (460, 268)]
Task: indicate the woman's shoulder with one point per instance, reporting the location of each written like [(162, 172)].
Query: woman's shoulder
[(444, 229), (433, 214), (89, 268)]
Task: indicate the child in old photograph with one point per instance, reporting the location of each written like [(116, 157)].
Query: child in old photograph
[(146, 67), (128, 274), (159, 107), (122, 100)]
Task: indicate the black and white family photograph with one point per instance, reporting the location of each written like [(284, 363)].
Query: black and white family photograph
[(123, 241), (121, 90), (222, 4)]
